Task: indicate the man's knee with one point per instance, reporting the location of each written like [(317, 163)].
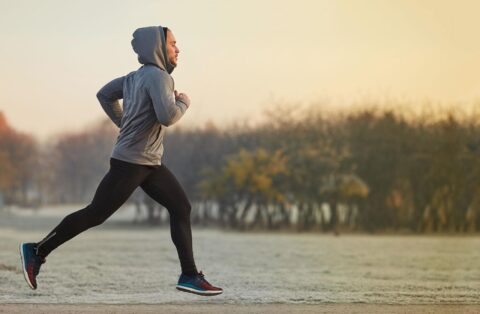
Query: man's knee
[(95, 217), (97, 220), (188, 208), (182, 211)]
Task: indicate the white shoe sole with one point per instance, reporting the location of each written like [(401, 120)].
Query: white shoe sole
[(204, 293)]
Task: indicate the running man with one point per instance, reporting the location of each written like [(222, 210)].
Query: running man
[(150, 104)]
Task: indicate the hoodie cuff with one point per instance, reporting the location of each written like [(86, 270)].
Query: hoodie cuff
[(183, 105)]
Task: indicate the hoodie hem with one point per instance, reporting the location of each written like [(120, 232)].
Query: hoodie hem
[(142, 162)]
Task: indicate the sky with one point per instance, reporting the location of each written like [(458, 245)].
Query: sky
[(238, 57)]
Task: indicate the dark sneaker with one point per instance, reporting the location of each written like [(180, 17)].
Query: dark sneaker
[(197, 284), (31, 263)]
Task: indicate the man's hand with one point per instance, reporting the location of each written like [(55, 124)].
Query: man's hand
[(183, 98)]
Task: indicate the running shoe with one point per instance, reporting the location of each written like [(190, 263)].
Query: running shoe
[(31, 263), (197, 284)]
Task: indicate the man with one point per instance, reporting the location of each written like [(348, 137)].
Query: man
[(150, 104)]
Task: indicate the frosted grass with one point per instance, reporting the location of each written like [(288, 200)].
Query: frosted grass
[(116, 264)]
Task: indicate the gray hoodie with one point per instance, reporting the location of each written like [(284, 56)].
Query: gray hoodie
[(149, 103)]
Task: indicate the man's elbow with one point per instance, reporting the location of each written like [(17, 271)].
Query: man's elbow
[(100, 96)]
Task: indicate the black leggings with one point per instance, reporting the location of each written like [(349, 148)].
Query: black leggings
[(115, 188)]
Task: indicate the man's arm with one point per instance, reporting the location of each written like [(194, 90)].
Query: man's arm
[(169, 107), (108, 97)]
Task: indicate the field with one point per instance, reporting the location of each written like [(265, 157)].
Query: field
[(119, 263)]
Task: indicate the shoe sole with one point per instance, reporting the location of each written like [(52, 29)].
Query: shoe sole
[(25, 274), (204, 293)]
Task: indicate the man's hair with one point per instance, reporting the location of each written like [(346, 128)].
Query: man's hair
[(165, 29)]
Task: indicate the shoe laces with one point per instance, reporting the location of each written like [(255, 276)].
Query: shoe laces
[(202, 276), (39, 255)]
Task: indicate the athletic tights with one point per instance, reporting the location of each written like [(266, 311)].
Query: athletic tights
[(114, 189)]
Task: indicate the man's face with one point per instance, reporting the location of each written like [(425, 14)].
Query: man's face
[(172, 50)]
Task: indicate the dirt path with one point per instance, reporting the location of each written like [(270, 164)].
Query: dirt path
[(235, 309)]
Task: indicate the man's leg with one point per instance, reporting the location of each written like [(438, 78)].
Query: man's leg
[(163, 187), (115, 188)]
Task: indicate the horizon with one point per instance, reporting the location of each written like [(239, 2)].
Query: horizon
[(426, 111)]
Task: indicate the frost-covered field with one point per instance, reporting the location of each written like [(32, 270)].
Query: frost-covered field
[(116, 264)]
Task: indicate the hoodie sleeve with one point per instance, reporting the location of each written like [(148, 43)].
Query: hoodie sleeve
[(108, 97), (160, 88)]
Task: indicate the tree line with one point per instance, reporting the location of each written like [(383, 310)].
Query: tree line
[(366, 170)]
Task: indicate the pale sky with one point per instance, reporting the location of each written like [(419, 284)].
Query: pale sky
[(237, 57)]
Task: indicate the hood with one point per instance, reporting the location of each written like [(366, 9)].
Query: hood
[(149, 43)]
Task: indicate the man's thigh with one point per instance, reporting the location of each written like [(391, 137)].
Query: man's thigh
[(164, 188), (117, 185)]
